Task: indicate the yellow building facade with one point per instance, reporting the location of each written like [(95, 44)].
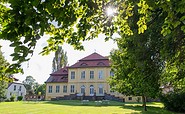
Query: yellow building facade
[(88, 78)]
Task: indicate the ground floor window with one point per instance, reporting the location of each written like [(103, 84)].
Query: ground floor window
[(57, 89), (82, 89), (50, 89), (64, 89), (72, 88), (100, 88), (91, 90)]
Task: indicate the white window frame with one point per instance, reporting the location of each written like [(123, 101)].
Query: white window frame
[(14, 87), (91, 74), (100, 74), (91, 90), (100, 89), (50, 89), (72, 88), (65, 89), (83, 75), (82, 89), (57, 89), (72, 74)]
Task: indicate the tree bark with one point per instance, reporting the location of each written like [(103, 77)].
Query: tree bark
[(144, 102)]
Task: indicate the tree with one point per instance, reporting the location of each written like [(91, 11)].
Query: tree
[(30, 84), (4, 77), (138, 64), (60, 59), (41, 88), (88, 17)]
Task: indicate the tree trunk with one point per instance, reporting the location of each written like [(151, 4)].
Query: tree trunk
[(144, 102)]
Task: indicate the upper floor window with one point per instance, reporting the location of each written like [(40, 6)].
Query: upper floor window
[(111, 73), (72, 88), (64, 89), (14, 88), (20, 88), (91, 74), (83, 75), (57, 89), (72, 75), (100, 74), (50, 89)]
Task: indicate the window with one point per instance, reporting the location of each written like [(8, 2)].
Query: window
[(100, 74), (64, 89), (82, 89), (19, 88), (57, 89), (21, 94), (14, 88), (83, 75), (10, 93), (129, 98), (50, 89), (72, 75), (91, 90), (111, 73), (91, 74), (72, 88), (100, 88)]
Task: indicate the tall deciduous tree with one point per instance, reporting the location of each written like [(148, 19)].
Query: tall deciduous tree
[(138, 64), (60, 59), (30, 84)]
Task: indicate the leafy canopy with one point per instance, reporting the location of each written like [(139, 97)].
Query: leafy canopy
[(73, 21)]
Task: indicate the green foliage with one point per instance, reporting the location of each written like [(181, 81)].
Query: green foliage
[(12, 98), (60, 59), (75, 21), (30, 84), (174, 101), (41, 88), (3, 86), (4, 76), (19, 98)]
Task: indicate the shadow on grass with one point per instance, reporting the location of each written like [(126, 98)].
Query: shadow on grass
[(79, 103), (153, 108), (150, 109)]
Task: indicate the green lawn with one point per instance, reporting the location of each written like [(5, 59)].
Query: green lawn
[(76, 107)]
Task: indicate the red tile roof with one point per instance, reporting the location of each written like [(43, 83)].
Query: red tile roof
[(93, 60), (59, 76), (62, 71), (93, 56)]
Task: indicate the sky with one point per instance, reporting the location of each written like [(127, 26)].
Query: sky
[(40, 67)]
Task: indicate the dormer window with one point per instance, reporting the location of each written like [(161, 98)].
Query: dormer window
[(83, 64), (101, 64)]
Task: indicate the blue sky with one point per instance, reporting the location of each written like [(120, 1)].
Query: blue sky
[(41, 66)]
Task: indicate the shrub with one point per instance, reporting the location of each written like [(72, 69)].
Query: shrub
[(19, 98), (174, 101), (12, 98)]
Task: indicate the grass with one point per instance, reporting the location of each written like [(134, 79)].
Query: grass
[(76, 107)]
